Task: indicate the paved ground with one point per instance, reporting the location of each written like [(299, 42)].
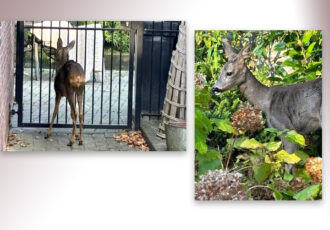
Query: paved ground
[(43, 100), (32, 139)]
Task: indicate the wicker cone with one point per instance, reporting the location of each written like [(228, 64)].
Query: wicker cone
[(174, 109)]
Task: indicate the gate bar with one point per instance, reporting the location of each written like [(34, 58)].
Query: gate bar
[(19, 69)]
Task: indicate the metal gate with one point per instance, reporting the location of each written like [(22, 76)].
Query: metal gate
[(109, 69)]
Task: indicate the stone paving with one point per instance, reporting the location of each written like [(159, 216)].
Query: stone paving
[(94, 140), (118, 104)]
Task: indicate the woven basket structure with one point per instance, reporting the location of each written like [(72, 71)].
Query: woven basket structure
[(174, 109)]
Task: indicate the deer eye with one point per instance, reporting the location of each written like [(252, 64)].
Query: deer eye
[(229, 73)]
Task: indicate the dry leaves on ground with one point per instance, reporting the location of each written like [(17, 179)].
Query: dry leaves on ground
[(132, 139), (14, 140)]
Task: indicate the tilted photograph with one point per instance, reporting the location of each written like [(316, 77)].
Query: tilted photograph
[(258, 115), (93, 86)]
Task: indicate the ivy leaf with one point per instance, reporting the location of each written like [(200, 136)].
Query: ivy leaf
[(224, 125), (272, 146), (251, 144), (296, 138), (262, 172), (308, 193), (284, 156)]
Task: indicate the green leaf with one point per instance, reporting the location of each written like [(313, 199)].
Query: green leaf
[(307, 36), (310, 49), (277, 195), (288, 176), (272, 146), (309, 193), (262, 172), (251, 144), (208, 161), (303, 157), (284, 156), (202, 98), (301, 172), (224, 125), (290, 63), (296, 138), (203, 127), (200, 142), (280, 46)]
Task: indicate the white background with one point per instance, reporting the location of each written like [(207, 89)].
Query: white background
[(121, 190)]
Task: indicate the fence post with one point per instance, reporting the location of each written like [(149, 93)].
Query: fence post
[(138, 83), (19, 69)]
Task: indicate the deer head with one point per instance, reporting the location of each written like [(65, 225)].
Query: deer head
[(233, 72), (62, 53)]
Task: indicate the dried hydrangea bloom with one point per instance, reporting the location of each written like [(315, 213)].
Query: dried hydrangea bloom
[(200, 81), (248, 119), (220, 185), (314, 168)]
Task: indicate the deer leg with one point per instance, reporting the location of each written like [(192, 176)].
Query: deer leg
[(81, 118), (57, 103), (73, 117)]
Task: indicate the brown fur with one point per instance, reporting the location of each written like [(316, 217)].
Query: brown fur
[(69, 82)]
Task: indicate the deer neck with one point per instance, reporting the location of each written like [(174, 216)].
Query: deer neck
[(256, 92)]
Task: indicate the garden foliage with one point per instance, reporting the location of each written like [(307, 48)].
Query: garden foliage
[(232, 135)]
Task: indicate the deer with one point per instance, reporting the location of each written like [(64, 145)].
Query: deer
[(69, 82), (295, 107)]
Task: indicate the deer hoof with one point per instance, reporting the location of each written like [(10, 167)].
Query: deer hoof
[(80, 142), (70, 143), (47, 135)]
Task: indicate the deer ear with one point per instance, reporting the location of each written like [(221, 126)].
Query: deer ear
[(71, 45), (59, 43), (229, 50), (244, 53)]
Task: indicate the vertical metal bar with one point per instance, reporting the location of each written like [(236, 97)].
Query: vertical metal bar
[(77, 42), (130, 82), (111, 67), (93, 73), (85, 66), (50, 70), (151, 67), (59, 33), (40, 90), (160, 69), (120, 32), (31, 91), (138, 83), (102, 74), (19, 69), (75, 95), (66, 99)]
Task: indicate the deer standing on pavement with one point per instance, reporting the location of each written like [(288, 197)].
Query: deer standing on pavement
[(69, 81), (296, 107)]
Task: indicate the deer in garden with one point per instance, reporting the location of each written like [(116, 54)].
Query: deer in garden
[(69, 81), (295, 107)]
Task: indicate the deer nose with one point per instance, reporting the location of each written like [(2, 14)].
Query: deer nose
[(216, 89)]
